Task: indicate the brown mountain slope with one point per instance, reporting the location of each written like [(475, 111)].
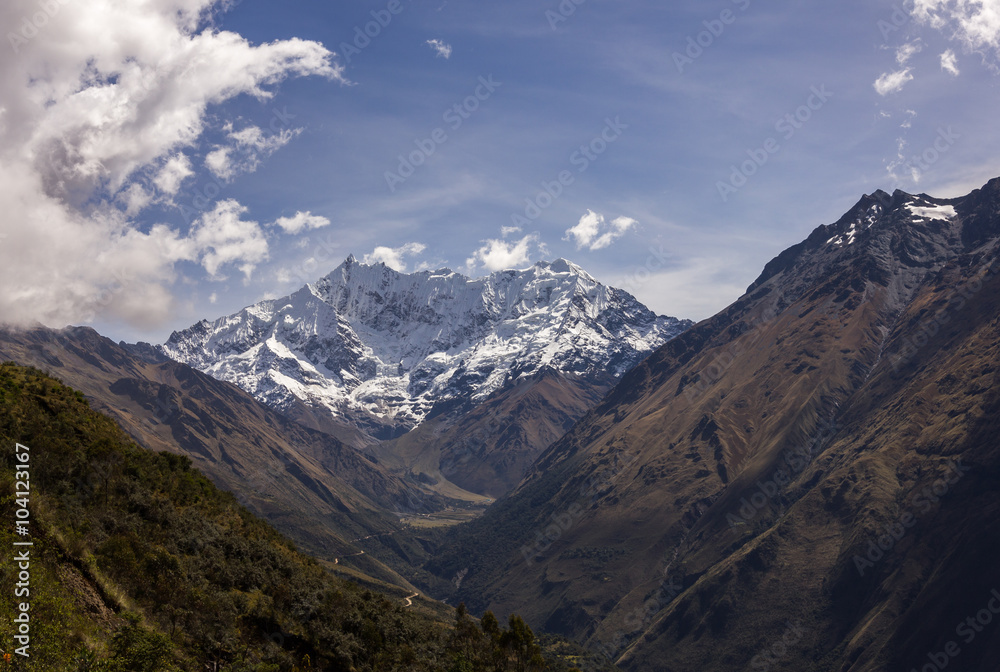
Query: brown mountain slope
[(488, 449), (321, 493), (708, 513)]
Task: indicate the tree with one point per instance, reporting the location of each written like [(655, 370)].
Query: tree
[(466, 641), (518, 643)]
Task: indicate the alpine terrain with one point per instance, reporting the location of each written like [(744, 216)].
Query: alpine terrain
[(809, 480)]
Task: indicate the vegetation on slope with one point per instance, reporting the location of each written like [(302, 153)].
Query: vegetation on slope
[(140, 564)]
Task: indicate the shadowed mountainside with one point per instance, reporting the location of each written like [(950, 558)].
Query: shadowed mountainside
[(732, 491)]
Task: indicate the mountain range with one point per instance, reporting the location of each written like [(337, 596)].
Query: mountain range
[(807, 480)]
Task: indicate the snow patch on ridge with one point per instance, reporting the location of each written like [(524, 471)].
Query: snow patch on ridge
[(943, 212)]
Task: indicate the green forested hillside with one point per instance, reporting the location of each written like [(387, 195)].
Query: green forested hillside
[(140, 564)]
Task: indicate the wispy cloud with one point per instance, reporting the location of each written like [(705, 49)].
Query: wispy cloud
[(248, 148), (949, 63), (509, 231), (891, 82), (907, 51), (440, 48)]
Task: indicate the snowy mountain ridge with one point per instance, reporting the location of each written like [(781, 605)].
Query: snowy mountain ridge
[(372, 341)]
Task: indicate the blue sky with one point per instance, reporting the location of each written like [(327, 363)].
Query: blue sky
[(685, 144)]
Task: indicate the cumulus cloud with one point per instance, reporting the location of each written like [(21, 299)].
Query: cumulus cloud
[(891, 82), (440, 48), (586, 230), (949, 63), (595, 233), (301, 221), (173, 173), (393, 256), (97, 108), (223, 237), (498, 255)]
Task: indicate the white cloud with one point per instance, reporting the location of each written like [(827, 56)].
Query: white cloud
[(217, 161), (249, 147), (509, 231), (222, 237), (949, 63), (135, 199), (498, 255), (443, 50), (586, 230), (301, 221), (907, 51), (173, 173), (619, 227), (891, 82), (974, 23), (393, 256), (103, 93), (595, 233)]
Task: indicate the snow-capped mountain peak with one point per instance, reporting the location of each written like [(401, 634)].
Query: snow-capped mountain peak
[(368, 340)]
